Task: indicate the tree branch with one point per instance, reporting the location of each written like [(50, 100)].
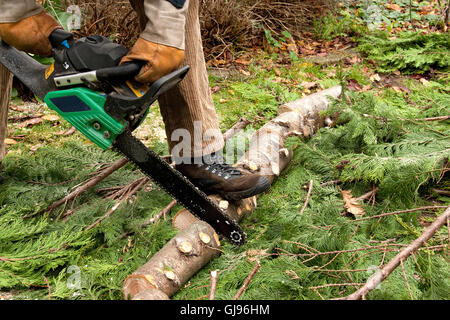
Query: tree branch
[(382, 274)]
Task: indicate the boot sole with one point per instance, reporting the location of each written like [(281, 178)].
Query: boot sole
[(262, 185)]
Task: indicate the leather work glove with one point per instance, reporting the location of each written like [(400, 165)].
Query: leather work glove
[(159, 60), (31, 34)]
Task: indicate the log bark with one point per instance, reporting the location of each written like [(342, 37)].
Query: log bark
[(174, 264), (268, 155)]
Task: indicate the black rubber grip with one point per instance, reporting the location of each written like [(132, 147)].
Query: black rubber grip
[(123, 72), (58, 36)]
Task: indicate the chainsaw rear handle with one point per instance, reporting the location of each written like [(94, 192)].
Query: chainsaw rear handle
[(61, 39)]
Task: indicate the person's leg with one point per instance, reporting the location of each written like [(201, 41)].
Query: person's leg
[(189, 110), (189, 106), (192, 127), (5, 96)]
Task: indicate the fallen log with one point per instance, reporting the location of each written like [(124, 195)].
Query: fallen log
[(267, 154)]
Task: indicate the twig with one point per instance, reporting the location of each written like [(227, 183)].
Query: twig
[(212, 292), (48, 287), (240, 125), (406, 280), (336, 285), (308, 196), (117, 205), (442, 192), (367, 195), (399, 212), (330, 183), (163, 212), (247, 281), (86, 186), (434, 118), (382, 274)]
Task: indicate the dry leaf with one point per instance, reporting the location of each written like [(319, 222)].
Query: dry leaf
[(242, 61), (51, 117), (10, 141), (215, 89), (30, 123), (424, 81), (394, 7), (246, 73), (70, 131), (33, 149), (309, 85), (351, 204), (375, 77)]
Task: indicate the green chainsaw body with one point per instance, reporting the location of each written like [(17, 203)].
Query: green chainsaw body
[(84, 109)]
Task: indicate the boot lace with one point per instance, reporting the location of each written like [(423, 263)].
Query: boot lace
[(223, 170)]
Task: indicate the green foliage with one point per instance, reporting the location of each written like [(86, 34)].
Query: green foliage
[(409, 52), (331, 26)]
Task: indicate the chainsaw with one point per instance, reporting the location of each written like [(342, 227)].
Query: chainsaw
[(88, 88)]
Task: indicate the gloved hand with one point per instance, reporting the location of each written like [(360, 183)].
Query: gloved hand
[(159, 59), (31, 34)]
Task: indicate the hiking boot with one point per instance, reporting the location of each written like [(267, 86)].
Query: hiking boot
[(217, 177)]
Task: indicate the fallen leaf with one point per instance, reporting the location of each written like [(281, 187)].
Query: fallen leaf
[(351, 204), (394, 7), (309, 85), (244, 72), (51, 117), (219, 62), (30, 123), (215, 89), (375, 77), (223, 100), (424, 81), (66, 133), (354, 85), (33, 149), (243, 62), (10, 141)]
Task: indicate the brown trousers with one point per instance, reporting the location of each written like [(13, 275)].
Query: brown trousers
[(188, 107)]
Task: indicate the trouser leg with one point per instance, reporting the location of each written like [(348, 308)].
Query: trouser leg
[(189, 107)]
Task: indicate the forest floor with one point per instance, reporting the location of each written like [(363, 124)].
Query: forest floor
[(387, 151)]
